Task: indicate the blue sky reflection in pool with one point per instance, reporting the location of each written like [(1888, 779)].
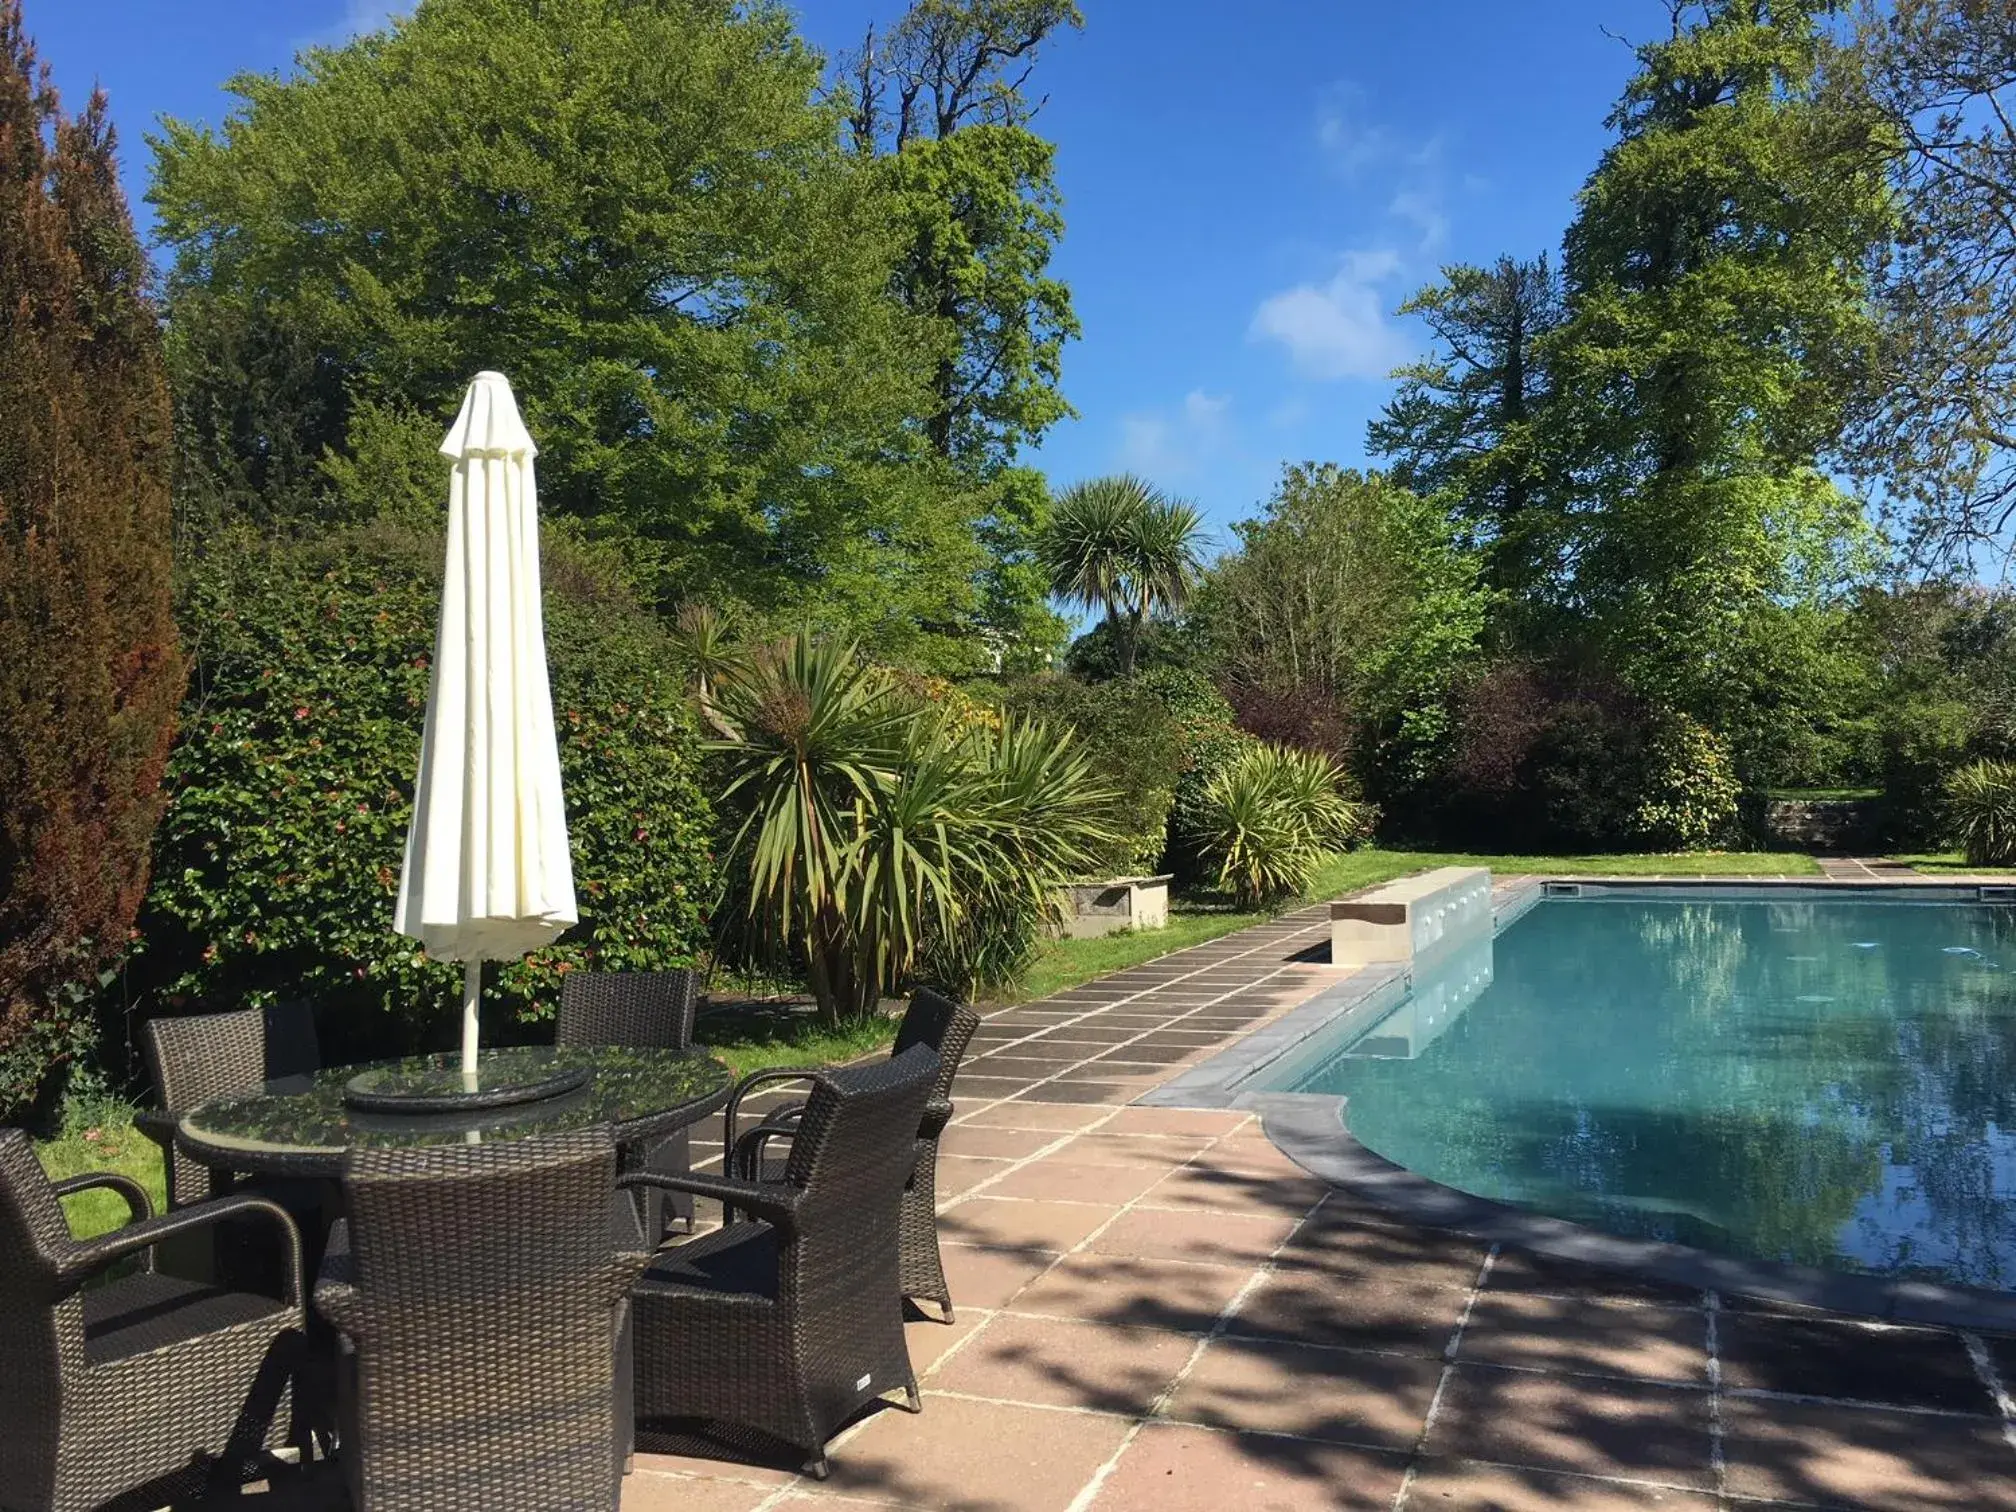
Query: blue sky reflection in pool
[(1832, 1083)]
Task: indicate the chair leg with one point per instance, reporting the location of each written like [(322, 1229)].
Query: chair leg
[(912, 1401), (817, 1467)]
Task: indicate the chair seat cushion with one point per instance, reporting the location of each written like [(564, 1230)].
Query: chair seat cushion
[(738, 1259), (147, 1311)]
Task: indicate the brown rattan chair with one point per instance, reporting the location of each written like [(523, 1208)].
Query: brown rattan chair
[(480, 1291), (139, 1390), (650, 1008), (194, 1057), (933, 1020), (789, 1322)]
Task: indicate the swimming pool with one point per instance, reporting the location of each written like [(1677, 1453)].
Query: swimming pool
[(1828, 1082)]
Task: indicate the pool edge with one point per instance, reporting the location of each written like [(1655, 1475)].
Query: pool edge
[(1310, 1129)]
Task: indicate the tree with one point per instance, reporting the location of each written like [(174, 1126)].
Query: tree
[(646, 215), (1119, 546), (1944, 435), (1719, 336), (938, 104), (89, 670), (1464, 424), (1350, 590)]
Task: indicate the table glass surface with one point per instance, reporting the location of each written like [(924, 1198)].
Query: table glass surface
[(308, 1115)]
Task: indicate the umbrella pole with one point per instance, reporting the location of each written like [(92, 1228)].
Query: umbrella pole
[(472, 992)]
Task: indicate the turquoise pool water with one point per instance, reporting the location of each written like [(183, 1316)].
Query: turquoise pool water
[(1826, 1082)]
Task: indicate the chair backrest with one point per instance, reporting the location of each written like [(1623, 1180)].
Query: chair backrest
[(484, 1319), (653, 1008), (201, 1055), (40, 1336), (947, 1027), (196, 1056), (853, 1153)]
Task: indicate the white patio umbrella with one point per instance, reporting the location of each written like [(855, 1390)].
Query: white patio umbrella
[(487, 876)]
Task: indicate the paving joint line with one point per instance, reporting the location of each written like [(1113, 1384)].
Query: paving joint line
[(1450, 1350), (1718, 1460), (1157, 1408), (1984, 1367)]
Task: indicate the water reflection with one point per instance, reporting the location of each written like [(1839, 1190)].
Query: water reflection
[(1817, 1081)]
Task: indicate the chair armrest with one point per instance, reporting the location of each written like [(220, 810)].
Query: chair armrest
[(937, 1113), (158, 1125), (336, 1294), (137, 1200), (93, 1255), (775, 1205), (750, 1083)]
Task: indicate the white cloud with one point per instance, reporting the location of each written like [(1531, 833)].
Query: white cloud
[(1346, 137), (359, 16), (1421, 207), (1338, 329), (1164, 444)]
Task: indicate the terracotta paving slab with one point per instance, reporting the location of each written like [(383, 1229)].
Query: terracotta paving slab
[(1063, 1363), (1583, 1337), (982, 1277), (1038, 1225), (1208, 1238), (1616, 1428), (1183, 1469), (1898, 1367), (1057, 1178), (1442, 1486), (1897, 1461), (960, 1456), (1276, 1387), (1128, 1289)]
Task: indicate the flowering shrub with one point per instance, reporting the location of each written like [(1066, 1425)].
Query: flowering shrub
[(291, 787), (1688, 790)]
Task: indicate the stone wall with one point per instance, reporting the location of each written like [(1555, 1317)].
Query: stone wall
[(1837, 825)]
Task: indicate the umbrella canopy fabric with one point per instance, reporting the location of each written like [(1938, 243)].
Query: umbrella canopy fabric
[(487, 875)]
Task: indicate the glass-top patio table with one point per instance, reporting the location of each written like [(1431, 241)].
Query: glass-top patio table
[(303, 1125)]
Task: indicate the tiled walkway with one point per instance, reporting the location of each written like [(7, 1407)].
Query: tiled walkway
[(1156, 1309)]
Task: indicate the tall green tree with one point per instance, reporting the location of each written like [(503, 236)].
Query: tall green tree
[(937, 106), (1943, 438), (1720, 334), (1121, 547), (1351, 590), (89, 669), (645, 214), (1465, 423)]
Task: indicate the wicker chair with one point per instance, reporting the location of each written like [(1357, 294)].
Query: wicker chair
[(480, 1354), (947, 1027), (789, 1322), (140, 1390), (198, 1056), (653, 1008)]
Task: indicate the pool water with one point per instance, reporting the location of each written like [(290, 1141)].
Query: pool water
[(1827, 1082)]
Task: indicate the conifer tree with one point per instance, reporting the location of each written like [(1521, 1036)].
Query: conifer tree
[(89, 671)]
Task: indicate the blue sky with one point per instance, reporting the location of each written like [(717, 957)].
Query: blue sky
[(1249, 190)]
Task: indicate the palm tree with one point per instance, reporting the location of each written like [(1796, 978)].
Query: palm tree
[(1118, 545)]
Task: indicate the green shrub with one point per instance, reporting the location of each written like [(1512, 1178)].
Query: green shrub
[(1211, 742), (1924, 742), (1268, 820), (1134, 748), (1981, 803), (1687, 788), (291, 788), (877, 835)]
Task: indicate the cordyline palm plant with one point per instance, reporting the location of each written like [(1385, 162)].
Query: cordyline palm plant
[(1270, 817), (1982, 801), (871, 829), (1120, 547)]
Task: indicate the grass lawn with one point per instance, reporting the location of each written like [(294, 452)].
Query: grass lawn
[(113, 1145), (1949, 861)]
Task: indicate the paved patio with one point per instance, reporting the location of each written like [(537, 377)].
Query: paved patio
[(1157, 1309)]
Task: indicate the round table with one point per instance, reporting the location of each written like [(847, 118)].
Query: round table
[(303, 1125)]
